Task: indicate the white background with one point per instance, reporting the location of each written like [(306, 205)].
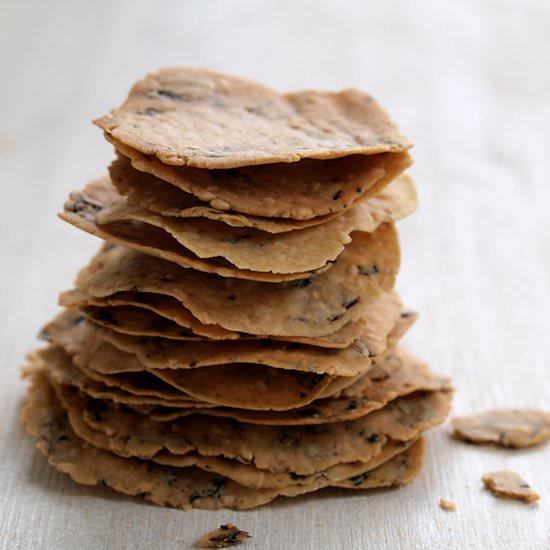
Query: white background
[(468, 82)]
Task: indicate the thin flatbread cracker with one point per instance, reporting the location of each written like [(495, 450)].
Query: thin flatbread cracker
[(244, 474), (300, 449), (299, 191), (149, 314), (58, 366), (45, 419), (158, 353), (83, 207), (515, 428), (316, 306), (163, 305), (256, 387), (392, 203), (196, 117), (244, 248), (398, 375)]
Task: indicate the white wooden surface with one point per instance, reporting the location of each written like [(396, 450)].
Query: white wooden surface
[(469, 83)]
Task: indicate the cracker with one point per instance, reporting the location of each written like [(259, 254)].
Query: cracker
[(118, 313), (225, 536), (251, 249), (83, 208), (57, 364), (252, 477), (200, 118), (504, 427), (246, 475), (398, 471), (158, 353), (392, 203), (509, 484), (245, 386), (164, 306), (373, 328), (186, 488), (300, 449), (401, 375), (316, 306), (244, 248), (256, 387), (280, 191)]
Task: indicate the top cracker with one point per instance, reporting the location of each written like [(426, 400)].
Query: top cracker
[(204, 119)]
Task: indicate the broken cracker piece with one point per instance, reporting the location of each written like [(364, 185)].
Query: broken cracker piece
[(223, 537), (504, 427), (509, 484), (447, 505)]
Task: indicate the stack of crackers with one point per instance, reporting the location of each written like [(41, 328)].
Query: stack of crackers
[(236, 337)]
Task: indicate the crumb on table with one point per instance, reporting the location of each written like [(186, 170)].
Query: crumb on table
[(223, 537), (447, 505)]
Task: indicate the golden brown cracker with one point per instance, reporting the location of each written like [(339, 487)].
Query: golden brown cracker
[(159, 353), (509, 484), (244, 248), (504, 427), (151, 315), (401, 375), (316, 306), (392, 203), (196, 117), (301, 449), (57, 365), (185, 488), (83, 207), (163, 305)]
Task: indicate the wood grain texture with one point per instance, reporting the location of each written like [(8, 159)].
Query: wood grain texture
[(467, 81)]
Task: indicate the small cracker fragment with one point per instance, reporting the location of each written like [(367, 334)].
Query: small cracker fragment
[(504, 427), (447, 505), (509, 484), (223, 537)]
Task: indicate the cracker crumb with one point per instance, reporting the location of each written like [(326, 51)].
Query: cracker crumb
[(223, 537), (509, 484), (447, 505)]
